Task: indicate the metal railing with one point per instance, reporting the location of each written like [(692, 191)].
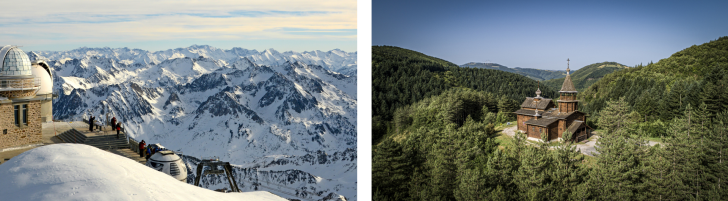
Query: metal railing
[(19, 84)]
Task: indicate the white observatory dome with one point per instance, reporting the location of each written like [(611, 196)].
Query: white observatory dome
[(43, 72), (14, 62), (168, 162)]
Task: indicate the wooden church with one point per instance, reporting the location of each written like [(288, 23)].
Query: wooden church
[(540, 115)]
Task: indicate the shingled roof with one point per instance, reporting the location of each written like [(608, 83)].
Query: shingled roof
[(559, 115), (567, 86), (527, 112), (541, 105), (574, 126), (545, 122)]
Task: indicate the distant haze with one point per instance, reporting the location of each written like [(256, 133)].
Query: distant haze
[(42, 25)]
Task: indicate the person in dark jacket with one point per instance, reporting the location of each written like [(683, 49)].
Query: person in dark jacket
[(149, 152), (113, 123), (91, 123), (142, 145), (118, 128)]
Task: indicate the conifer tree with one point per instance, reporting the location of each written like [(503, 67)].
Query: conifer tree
[(613, 116), (390, 170), (617, 173), (684, 153), (661, 179), (618, 169), (566, 173), (443, 169), (532, 176), (717, 152), (498, 173)]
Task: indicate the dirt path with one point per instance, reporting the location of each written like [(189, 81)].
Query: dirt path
[(510, 131), (588, 147)]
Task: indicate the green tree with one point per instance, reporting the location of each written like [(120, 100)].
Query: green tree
[(716, 151), (618, 171), (566, 173), (660, 177), (614, 116), (390, 170), (532, 177)]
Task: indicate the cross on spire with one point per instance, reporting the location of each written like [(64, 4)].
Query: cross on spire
[(567, 66)]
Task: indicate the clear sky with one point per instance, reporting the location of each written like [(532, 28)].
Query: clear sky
[(166, 24), (543, 34)]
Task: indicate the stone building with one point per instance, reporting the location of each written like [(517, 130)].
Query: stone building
[(26, 97), (540, 115)]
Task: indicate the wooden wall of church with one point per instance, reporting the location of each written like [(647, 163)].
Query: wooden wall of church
[(554, 132)]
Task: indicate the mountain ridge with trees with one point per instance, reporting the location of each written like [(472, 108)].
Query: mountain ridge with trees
[(587, 75), (535, 74), (402, 77)]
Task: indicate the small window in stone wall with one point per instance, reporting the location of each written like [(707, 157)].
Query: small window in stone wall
[(21, 115), (17, 115), (25, 114), (5, 131)]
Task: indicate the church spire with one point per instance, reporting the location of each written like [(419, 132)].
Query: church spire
[(567, 66), (567, 86)]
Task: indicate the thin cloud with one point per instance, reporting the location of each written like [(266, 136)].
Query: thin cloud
[(48, 22)]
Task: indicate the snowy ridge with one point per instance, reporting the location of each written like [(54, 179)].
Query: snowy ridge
[(282, 117), (334, 60)]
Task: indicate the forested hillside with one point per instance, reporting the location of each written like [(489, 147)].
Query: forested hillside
[(587, 75), (402, 77), (536, 74), (661, 91), (444, 147), (439, 156)]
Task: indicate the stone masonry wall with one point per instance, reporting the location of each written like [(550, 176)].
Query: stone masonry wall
[(18, 93), (17, 136)]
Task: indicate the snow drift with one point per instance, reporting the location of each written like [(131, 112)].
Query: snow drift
[(82, 172)]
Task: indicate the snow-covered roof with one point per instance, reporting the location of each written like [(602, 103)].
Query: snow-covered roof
[(82, 172), (164, 156)]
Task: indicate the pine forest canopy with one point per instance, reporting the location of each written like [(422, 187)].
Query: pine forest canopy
[(662, 90)]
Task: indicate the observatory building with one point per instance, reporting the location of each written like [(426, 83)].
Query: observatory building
[(26, 97)]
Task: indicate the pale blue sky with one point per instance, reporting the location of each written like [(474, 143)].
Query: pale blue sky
[(543, 34), (167, 24)]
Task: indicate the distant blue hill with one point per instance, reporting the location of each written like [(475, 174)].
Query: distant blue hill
[(536, 74)]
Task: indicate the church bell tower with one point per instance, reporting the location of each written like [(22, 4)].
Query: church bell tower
[(567, 95)]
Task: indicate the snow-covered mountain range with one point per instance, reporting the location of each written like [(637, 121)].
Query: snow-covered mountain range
[(286, 114), (334, 60)]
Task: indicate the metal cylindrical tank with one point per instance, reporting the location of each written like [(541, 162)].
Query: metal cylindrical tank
[(168, 162)]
